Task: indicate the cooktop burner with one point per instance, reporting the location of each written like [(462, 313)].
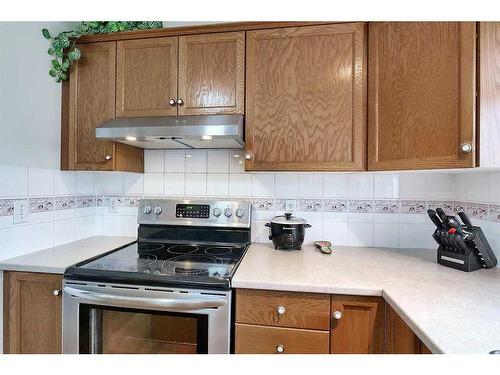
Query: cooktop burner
[(187, 243)]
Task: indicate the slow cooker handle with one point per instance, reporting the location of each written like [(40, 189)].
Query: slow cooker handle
[(307, 225), (269, 226)]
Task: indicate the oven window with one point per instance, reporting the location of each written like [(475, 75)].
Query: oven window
[(108, 330)]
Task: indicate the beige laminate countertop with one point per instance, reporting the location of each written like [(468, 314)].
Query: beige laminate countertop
[(57, 259), (451, 311)]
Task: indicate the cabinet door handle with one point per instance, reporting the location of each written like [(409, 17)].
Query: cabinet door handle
[(281, 310), (466, 148), (337, 315), (108, 157), (249, 156), (172, 102), (180, 101), (56, 292), (280, 349)]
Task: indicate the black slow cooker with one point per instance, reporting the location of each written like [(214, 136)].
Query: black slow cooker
[(287, 232)]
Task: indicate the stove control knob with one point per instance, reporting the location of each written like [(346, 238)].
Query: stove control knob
[(240, 212), (157, 210), (228, 212), (147, 210), (217, 212)]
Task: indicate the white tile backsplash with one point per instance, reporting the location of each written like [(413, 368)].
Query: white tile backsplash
[(336, 185), (174, 184), (262, 185), (217, 173), (13, 182), (41, 182), (175, 161), (218, 161), (64, 183), (287, 185), (196, 161), (311, 185), (154, 161), (196, 184), (361, 185), (218, 185)]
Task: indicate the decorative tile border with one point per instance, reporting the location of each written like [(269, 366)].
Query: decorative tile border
[(6, 207), (482, 211), (413, 207), (335, 205), (386, 207), (44, 204)]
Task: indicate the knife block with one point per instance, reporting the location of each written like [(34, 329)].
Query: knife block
[(467, 254)]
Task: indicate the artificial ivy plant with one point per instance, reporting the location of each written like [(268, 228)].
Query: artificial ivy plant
[(64, 52)]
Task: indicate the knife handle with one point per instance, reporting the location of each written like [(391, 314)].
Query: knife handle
[(442, 216), (465, 219), (435, 218)]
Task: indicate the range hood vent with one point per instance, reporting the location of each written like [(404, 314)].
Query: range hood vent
[(176, 132)]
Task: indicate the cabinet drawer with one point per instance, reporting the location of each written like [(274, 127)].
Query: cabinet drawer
[(252, 339), (283, 309)]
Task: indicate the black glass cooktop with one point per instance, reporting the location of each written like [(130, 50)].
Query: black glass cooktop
[(154, 263)]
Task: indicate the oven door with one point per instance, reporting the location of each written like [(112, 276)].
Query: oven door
[(113, 319)]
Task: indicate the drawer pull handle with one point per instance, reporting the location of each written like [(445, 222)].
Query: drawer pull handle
[(57, 292), (281, 310), (280, 349), (337, 315)]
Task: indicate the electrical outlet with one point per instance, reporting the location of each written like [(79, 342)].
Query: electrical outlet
[(290, 205), (113, 205), (20, 211)]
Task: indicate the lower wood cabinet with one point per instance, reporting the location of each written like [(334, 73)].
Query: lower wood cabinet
[(308, 323), (357, 325), (254, 339), (400, 339), (32, 313)]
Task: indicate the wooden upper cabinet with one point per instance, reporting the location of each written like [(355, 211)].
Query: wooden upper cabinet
[(91, 101), (146, 78), (87, 101), (359, 329), (305, 98), (32, 313), (212, 73), (421, 100)]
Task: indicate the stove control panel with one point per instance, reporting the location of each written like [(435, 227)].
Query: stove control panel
[(195, 212)]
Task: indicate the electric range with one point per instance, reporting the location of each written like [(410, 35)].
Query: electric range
[(177, 273)]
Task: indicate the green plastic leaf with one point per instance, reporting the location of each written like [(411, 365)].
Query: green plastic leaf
[(63, 76), (46, 34), (52, 73), (64, 40), (75, 54), (65, 65), (56, 65), (59, 52), (51, 51)]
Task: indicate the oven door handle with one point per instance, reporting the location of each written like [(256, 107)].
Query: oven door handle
[(170, 304)]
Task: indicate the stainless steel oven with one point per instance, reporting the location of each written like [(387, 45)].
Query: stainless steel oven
[(116, 318), (167, 292)]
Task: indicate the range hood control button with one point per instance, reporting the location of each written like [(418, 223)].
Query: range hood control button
[(147, 210), (228, 212), (217, 212), (240, 212), (157, 210)]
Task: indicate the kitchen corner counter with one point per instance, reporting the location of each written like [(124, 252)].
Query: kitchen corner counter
[(451, 311), (57, 259)]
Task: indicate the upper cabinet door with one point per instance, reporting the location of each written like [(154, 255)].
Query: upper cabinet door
[(421, 95), (146, 78), (92, 101), (211, 73), (305, 98)]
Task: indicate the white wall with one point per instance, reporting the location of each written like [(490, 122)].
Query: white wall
[(30, 100)]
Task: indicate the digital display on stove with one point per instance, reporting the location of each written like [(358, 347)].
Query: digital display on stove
[(195, 211)]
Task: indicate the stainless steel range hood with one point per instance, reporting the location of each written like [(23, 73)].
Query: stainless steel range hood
[(214, 131)]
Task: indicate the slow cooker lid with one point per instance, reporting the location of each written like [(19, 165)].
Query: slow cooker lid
[(288, 219)]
